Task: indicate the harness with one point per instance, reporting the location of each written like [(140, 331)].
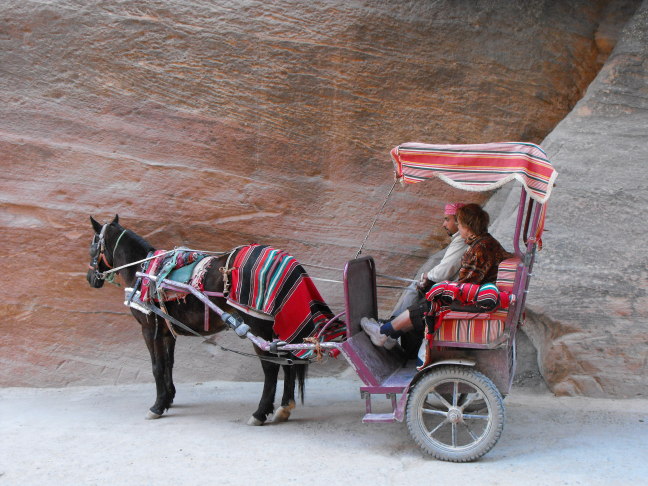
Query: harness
[(98, 250), (98, 253), (272, 359)]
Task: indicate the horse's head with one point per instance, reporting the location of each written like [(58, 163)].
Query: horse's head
[(101, 260)]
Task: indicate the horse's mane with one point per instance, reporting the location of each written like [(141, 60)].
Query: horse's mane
[(140, 241)]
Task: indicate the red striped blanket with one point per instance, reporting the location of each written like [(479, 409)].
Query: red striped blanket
[(272, 282)]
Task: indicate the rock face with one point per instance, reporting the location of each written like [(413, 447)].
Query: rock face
[(215, 124), (589, 303)]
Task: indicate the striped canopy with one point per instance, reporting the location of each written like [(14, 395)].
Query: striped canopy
[(479, 167)]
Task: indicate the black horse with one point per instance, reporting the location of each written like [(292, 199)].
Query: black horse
[(113, 247)]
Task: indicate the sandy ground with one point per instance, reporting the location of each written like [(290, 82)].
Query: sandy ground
[(97, 435)]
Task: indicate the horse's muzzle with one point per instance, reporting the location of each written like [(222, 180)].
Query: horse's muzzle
[(94, 279)]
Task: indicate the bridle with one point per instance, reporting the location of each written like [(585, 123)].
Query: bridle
[(98, 254)]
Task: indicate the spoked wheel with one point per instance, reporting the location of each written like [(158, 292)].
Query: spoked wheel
[(455, 413)]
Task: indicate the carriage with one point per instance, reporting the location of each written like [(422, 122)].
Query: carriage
[(453, 404)]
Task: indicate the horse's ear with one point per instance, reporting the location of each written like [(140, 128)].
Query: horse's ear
[(116, 220), (97, 227)]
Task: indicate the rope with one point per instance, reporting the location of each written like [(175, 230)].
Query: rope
[(375, 219), (207, 252), (400, 279), (272, 359), (318, 347), (382, 275), (117, 244), (226, 271), (110, 278), (378, 285), (391, 287), (319, 266), (326, 280), (116, 269)]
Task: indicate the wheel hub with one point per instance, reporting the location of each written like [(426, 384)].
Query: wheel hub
[(454, 415)]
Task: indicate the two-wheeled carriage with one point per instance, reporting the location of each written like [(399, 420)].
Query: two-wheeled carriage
[(453, 405)]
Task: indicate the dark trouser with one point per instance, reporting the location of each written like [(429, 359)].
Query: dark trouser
[(411, 341)]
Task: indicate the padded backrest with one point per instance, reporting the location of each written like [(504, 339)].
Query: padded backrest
[(506, 274)]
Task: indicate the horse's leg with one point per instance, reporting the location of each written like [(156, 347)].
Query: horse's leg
[(266, 404), (169, 349), (159, 362), (288, 399)]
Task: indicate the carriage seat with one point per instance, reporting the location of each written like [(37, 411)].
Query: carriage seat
[(485, 328)]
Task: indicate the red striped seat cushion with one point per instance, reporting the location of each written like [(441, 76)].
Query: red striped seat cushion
[(486, 328), (475, 331)]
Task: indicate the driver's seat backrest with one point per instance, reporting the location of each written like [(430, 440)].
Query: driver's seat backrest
[(360, 292)]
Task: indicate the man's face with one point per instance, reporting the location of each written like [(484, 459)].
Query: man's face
[(450, 224)]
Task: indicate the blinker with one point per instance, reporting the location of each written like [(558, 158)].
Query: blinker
[(94, 251)]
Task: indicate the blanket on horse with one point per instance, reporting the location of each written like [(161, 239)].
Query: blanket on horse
[(273, 283), (181, 265)]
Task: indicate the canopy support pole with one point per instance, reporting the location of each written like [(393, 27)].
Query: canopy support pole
[(375, 219)]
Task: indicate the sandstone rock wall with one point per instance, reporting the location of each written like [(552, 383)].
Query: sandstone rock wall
[(589, 303), (214, 124)]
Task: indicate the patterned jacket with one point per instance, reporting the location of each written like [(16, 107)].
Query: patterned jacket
[(479, 263)]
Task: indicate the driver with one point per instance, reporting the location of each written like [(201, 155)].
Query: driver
[(479, 265)]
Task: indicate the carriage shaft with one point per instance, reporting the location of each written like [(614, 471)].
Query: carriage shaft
[(243, 332)]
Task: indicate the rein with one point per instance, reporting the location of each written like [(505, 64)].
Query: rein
[(117, 269), (271, 359), (114, 270), (108, 275), (382, 275), (111, 277)]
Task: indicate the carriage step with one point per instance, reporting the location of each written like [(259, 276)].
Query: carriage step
[(374, 418)]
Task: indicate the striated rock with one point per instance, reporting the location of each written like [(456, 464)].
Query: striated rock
[(215, 124), (589, 303)]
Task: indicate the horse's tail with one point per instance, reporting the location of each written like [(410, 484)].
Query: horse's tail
[(300, 373)]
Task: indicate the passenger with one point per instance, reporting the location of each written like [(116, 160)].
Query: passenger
[(447, 269), (479, 265)]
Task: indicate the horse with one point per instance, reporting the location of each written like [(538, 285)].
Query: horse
[(114, 247)]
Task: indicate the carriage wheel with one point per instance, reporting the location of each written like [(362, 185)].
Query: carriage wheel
[(455, 414)]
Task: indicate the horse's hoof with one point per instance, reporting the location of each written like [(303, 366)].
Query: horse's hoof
[(282, 414), (150, 415), (254, 421)]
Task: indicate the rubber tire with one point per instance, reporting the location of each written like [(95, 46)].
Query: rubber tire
[(467, 377)]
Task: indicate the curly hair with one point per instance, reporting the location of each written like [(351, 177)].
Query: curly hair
[(474, 218)]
